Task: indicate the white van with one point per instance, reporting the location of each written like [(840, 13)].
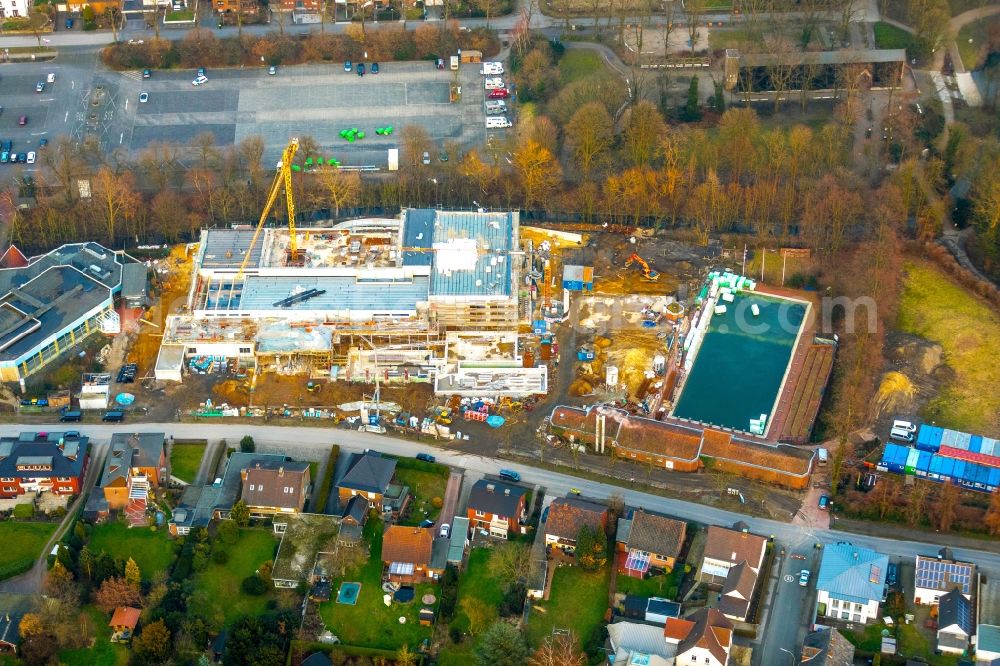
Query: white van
[(494, 84), (902, 434), (904, 425), (492, 69), (494, 122), (496, 107), (822, 455)]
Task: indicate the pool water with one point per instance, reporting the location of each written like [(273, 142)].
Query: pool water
[(348, 593), (741, 362)]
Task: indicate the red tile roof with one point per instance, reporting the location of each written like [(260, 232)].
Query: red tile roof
[(125, 616), (411, 545)]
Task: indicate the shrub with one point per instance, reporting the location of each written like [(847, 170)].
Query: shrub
[(455, 633), (323, 490), (437, 502), (227, 532), (24, 511), (220, 556), (254, 586)]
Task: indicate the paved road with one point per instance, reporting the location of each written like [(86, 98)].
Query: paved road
[(790, 607)]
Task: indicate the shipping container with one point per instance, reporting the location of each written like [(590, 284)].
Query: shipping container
[(976, 444), (962, 440), (959, 472), (990, 447), (923, 462), (894, 458), (929, 438), (994, 479), (912, 455)]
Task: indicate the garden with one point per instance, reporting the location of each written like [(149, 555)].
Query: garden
[(427, 483), (369, 622), (578, 601), (23, 543), (185, 458), (665, 586), (151, 548)]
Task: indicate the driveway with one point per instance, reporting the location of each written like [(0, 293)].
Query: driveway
[(451, 495)]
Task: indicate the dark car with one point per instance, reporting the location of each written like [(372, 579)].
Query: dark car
[(113, 417), (440, 63), (43, 142), (509, 475), (374, 68), (424, 524), (69, 24), (824, 502), (40, 86), (426, 457), (146, 73), (71, 416), (348, 66), (6, 145), (361, 69), (201, 71), (892, 575)]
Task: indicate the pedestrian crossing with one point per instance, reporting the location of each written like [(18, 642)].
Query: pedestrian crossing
[(135, 75)]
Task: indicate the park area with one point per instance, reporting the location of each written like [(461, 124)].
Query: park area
[(369, 622), (151, 548), (578, 601), (968, 330), (185, 458), (23, 543), (217, 590)]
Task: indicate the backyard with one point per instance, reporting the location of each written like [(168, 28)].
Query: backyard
[(664, 586), (217, 588), (370, 623), (185, 458), (426, 481), (935, 308), (909, 641), (103, 652), (23, 543), (151, 549), (577, 601)]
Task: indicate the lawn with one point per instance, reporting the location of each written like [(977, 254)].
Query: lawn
[(974, 52), (578, 601), (185, 459), (103, 652), (478, 581), (578, 64), (370, 623), (23, 542), (909, 642), (888, 36), (664, 586), (217, 588), (425, 484), (935, 308), (185, 15), (152, 551)]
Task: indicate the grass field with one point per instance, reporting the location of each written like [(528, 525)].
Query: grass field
[(577, 601), (975, 52), (424, 486), (103, 652), (577, 64), (217, 588), (479, 582), (935, 308), (888, 36), (370, 623), (185, 459), (664, 586), (152, 551), (23, 541)]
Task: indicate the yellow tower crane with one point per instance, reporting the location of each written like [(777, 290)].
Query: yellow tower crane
[(282, 177)]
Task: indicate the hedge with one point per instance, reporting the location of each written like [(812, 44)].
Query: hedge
[(421, 466), (323, 492), (26, 511), (305, 648)]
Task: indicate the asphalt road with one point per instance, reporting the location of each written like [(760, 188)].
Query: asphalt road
[(791, 605)]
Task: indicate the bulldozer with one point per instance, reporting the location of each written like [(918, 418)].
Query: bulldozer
[(647, 272)]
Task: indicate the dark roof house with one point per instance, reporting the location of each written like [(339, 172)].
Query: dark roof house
[(368, 472), (737, 592), (42, 455), (827, 647), (10, 631), (706, 630), (496, 497), (955, 624), (132, 449), (656, 534)]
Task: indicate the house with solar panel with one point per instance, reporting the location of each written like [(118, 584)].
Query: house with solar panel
[(851, 583), (955, 624), (936, 576)]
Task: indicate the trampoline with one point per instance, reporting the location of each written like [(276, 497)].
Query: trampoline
[(348, 593), (404, 595)]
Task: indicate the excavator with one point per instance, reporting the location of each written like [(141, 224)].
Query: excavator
[(647, 272)]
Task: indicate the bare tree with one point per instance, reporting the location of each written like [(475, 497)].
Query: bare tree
[(694, 10)]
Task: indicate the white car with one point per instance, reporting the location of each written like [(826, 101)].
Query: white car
[(31, 157), (200, 79), (143, 97), (494, 83), (804, 578), (492, 69), (445, 530), (51, 78)]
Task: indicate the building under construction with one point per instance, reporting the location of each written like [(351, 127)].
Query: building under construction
[(429, 296)]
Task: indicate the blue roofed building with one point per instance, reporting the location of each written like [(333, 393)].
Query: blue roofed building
[(851, 583)]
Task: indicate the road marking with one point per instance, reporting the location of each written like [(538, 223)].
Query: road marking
[(121, 138), (72, 85), (66, 118), (789, 578), (126, 105)]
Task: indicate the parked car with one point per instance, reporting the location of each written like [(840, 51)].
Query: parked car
[(69, 24), (426, 457), (804, 577), (499, 93), (71, 416), (200, 79), (509, 475), (824, 502), (22, 121), (143, 97), (201, 71), (43, 142), (51, 78), (40, 86), (439, 63), (146, 73), (361, 69), (272, 70), (545, 514), (445, 530), (348, 66), (374, 68), (31, 157), (424, 524), (113, 417), (6, 145), (426, 158), (892, 575), (4, 157)]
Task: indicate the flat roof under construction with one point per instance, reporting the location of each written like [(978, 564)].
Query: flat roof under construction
[(302, 293), (226, 248)]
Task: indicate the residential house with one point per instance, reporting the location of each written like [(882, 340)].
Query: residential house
[(10, 632), (136, 463), (271, 487), (635, 644), (497, 507), (851, 583), (827, 647), (567, 516), (935, 576), (15, 9), (954, 622), (352, 521), (987, 642), (408, 552), (648, 543), (123, 623), (368, 474), (732, 561), (705, 637), (298, 6), (248, 8), (43, 462)]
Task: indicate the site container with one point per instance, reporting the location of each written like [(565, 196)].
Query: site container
[(923, 462), (994, 479), (912, 456), (990, 446), (976, 444), (894, 458), (942, 468), (929, 438)]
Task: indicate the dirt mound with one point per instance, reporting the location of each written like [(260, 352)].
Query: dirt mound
[(580, 387)]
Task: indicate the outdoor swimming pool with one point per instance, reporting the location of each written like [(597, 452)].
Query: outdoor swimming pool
[(739, 368), (348, 593)]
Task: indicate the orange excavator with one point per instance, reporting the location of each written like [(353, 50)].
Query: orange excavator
[(647, 272)]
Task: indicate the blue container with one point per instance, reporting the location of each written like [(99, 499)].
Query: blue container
[(946, 467), (976, 444), (959, 472), (923, 463), (994, 479), (929, 438)]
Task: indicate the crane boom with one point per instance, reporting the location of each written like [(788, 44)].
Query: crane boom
[(282, 177)]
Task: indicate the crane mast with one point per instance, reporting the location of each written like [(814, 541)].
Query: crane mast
[(282, 178)]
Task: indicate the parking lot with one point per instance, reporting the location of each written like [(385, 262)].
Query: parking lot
[(314, 100)]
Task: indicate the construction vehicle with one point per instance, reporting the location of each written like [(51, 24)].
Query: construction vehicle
[(443, 416), (647, 272), (283, 177)]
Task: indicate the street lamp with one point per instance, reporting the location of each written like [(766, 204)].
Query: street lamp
[(790, 655)]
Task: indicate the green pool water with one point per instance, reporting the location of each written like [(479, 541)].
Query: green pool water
[(738, 370)]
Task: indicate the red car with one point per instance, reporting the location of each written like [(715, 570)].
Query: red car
[(23, 120), (500, 93)]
